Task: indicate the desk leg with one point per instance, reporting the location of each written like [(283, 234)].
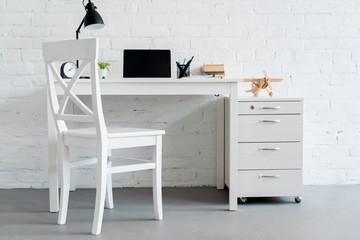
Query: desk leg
[(220, 143), (233, 150), (52, 155)]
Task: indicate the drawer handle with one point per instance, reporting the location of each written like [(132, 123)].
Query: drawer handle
[(269, 149), (268, 121), (272, 108), (269, 176)]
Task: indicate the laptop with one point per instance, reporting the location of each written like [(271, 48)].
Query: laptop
[(147, 63)]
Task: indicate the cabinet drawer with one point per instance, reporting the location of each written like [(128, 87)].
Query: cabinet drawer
[(270, 107), (270, 155), (265, 128), (269, 183)]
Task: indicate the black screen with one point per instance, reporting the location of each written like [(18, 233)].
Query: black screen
[(141, 63)]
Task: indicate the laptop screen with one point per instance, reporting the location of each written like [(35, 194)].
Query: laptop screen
[(147, 63)]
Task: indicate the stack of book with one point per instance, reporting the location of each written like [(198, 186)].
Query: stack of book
[(216, 70)]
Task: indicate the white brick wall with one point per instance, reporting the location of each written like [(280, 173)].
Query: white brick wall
[(313, 45)]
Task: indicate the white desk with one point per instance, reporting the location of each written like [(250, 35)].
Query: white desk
[(155, 86)]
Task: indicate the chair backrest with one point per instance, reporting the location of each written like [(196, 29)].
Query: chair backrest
[(87, 51)]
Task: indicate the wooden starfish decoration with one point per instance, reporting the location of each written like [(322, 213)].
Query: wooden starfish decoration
[(262, 83)]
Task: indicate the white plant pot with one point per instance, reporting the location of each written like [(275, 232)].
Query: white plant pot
[(103, 73)]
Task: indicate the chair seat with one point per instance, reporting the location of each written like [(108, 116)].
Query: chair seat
[(114, 132)]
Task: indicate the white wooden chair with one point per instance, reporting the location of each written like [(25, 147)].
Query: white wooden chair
[(98, 137)]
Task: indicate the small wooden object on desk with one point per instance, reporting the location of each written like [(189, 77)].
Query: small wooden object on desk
[(217, 70), (262, 83)]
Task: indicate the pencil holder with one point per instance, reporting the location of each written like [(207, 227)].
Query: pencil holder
[(183, 71)]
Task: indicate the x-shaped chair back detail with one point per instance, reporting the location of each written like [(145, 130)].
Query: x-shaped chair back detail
[(71, 50)]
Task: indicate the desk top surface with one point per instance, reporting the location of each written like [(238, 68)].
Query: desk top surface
[(165, 80)]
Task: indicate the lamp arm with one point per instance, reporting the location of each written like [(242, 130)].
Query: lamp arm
[(78, 30)]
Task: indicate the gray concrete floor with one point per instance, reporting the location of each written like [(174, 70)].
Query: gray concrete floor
[(326, 212)]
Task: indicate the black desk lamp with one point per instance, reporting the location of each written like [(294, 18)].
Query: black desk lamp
[(92, 20)]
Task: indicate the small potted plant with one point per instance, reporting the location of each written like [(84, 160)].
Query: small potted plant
[(104, 69)]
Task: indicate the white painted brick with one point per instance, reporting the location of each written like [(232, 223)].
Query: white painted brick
[(338, 68), (207, 20), (169, 19), (301, 7), (275, 7), (351, 44), (204, 44), (193, 7), (31, 55), (344, 31), (189, 31), (285, 20), (323, 44), (16, 69), (247, 19), (169, 43), (305, 32), (131, 43), (65, 7), (18, 6), (301, 68), (283, 56), (289, 44), (150, 31), (247, 44), (304, 56), (50, 20), (38, 6), (15, 19), (325, 7), (227, 31), (265, 31), (12, 43), (352, 7), (258, 67), (2, 7), (225, 56), (263, 55), (245, 55), (240, 7), (322, 56), (11, 55), (117, 7), (152, 7), (321, 19), (131, 7), (341, 56), (27, 31)]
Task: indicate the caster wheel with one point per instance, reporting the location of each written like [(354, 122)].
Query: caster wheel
[(297, 199), (243, 200)]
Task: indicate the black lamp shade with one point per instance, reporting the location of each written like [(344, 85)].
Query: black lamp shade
[(92, 19)]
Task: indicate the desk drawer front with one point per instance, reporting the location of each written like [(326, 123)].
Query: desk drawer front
[(265, 128), (270, 155), (269, 107), (269, 183)]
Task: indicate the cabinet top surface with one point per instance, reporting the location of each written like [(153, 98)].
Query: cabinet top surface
[(269, 99)]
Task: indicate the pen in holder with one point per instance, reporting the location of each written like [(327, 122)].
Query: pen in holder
[(183, 71)]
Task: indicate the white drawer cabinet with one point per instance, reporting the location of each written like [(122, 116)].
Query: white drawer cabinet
[(270, 148)]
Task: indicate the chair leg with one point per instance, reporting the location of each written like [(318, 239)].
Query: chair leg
[(109, 202), (157, 194), (101, 177), (65, 182)]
